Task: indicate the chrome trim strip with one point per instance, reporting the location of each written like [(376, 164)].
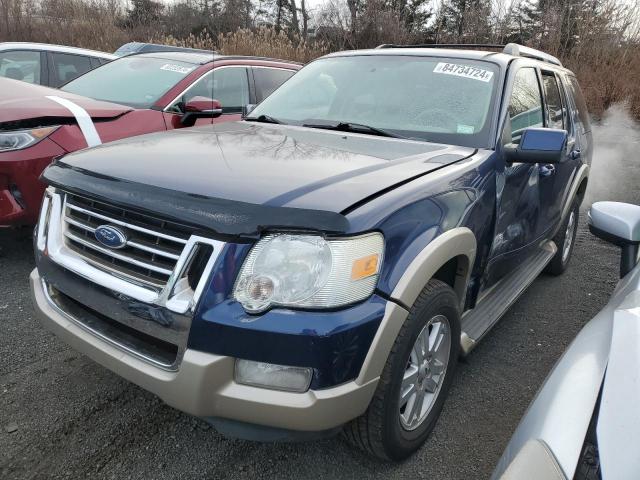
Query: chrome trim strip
[(157, 251), (131, 243), (43, 221), (100, 335), (114, 254), (125, 224)]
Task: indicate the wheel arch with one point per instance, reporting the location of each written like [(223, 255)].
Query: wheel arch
[(449, 257)]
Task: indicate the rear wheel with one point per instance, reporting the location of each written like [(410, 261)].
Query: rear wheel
[(415, 379), (565, 240)]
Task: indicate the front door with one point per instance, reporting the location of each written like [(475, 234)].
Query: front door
[(518, 205), (228, 84)]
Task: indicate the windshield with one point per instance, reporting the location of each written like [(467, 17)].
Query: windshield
[(138, 82), (441, 100)]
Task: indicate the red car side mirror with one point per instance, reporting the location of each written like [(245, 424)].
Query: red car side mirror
[(200, 107)]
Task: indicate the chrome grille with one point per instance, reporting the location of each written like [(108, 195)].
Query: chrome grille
[(152, 249)]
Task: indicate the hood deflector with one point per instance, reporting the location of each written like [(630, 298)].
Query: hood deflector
[(223, 217)]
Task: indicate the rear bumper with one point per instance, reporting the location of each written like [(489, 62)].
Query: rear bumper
[(204, 386), (20, 188)]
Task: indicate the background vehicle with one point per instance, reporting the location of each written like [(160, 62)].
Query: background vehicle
[(49, 65), (139, 47), (127, 97), (584, 421), (325, 261)]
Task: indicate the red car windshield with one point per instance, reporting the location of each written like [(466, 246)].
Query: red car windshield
[(134, 81)]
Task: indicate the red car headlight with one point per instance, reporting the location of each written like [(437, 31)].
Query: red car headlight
[(19, 139)]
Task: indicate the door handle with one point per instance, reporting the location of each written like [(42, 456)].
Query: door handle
[(547, 169), (575, 154)]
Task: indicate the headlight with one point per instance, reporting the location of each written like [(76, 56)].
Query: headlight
[(19, 139), (309, 271)]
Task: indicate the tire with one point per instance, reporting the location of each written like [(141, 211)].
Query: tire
[(382, 431), (565, 240)]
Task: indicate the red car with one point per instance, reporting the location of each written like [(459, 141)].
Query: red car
[(130, 96)]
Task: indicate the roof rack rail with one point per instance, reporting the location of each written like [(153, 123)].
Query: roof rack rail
[(443, 45), (510, 49), (521, 51)]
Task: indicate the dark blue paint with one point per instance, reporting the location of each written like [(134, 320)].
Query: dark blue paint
[(333, 343)]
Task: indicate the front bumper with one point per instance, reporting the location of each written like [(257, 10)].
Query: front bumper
[(20, 188), (203, 385)]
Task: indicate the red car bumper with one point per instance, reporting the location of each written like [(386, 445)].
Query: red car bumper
[(20, 188)]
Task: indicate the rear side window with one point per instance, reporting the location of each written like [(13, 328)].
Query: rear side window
[(583, 112), (20, 65), (554, 111), (268, 79), (525, 105), (66, 67)]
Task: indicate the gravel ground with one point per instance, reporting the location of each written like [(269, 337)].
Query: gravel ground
[(63, 416)]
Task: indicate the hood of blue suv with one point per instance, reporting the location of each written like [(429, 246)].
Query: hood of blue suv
[(256, 164)]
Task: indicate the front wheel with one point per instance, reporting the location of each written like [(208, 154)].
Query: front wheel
[(565, 240), (415, 379)]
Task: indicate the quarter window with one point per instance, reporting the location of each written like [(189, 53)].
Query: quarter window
[(554, 110), (583, 113), (67, 67), (229, 85), (525, 106), (268, 79), (20, 65)]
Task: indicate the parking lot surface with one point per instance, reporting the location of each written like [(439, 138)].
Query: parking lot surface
[(63, 416)]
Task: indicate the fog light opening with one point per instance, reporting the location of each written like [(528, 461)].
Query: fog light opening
[(271, 376)]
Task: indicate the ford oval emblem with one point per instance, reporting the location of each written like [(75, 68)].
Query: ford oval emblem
[(111, 237)]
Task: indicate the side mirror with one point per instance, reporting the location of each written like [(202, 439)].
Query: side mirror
[(247, 109), (200, 107), (618, 223), (538, 145)]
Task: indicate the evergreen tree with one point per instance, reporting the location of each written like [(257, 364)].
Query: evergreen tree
[(464, 21)]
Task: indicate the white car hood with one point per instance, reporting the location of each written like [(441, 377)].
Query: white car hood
[(618, 425)]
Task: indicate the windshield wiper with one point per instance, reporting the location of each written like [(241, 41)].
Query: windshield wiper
[(353, 127), (264, 119)]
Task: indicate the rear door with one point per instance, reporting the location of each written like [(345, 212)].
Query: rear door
[(267, 79), (556, 179)]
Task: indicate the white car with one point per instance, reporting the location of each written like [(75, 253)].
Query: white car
[(584, 423), (49, 65)]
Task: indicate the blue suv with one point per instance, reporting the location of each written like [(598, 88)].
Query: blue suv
[(321, 265)]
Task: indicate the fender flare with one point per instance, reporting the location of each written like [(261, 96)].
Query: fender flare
[(459, 241), (582, 173)]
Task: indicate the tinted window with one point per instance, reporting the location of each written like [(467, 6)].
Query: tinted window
[(423, 98), (555, 111), (66, 67), (136, 81), (230, 86), (525, 106), (268, 79), (20, 65), (583, 112)]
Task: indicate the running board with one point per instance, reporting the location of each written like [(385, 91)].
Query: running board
[(477, 322)]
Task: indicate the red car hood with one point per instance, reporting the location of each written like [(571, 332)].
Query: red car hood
[(24, 101)]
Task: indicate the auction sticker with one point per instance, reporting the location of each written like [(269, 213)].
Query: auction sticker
[(466, 71), (176, 68)]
